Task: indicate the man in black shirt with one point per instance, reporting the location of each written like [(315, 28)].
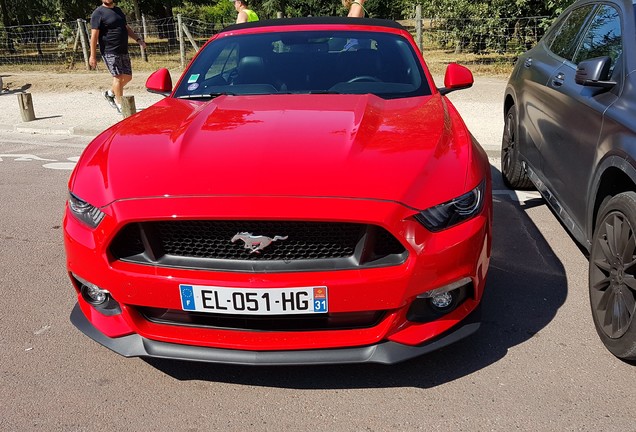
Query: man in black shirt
[(109, 28)]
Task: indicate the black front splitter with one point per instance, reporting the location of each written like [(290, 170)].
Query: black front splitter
[(384, 352)]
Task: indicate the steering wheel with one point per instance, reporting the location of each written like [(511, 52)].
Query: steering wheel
[(364, 78), (212, 82)]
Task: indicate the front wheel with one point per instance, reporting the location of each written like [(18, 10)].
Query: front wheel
[(511, 170), (612, 275)]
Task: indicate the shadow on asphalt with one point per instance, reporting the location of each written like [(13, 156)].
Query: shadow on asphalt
[(526, 287), (15, 90)]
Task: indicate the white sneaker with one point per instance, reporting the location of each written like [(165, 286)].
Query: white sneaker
[(110, 99)]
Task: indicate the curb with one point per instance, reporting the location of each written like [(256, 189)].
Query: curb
[(87, 132), (51, 130), (45, 130)]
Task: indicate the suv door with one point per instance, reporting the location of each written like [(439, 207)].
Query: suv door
[(537, 66), (574, 115)]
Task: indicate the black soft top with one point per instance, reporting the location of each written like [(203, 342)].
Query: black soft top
[(316, 20)]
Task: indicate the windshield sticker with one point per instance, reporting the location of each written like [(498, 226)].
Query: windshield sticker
[(193, 78), (193, 86)]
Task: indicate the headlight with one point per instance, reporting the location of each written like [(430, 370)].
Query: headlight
[(84, 211), (453, 212)]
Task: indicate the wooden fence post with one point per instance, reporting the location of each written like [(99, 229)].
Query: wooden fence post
[(143, 25), (81, 28), (418, 26), (26, 107), (144, 55), (190, 38), (181, 40), (128, 107)]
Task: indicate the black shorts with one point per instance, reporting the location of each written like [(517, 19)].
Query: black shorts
[(118, 64)]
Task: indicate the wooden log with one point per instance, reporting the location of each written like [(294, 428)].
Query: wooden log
[(128, 107), (25, 101)]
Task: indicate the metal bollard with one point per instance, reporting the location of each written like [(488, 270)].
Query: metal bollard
[(128, 107), (26, 107)]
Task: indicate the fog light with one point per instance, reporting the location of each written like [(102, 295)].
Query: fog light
[(92, 293), (99, 298), (442, 301), (435, 303)]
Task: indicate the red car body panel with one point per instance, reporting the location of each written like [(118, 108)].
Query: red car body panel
[(331, 142), (317, 158)]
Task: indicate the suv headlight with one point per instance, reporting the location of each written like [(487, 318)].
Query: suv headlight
[(85, 212), (453, 212)]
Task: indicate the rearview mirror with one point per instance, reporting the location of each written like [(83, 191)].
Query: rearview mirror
[(457, 77), (160, 82), (594, 72)]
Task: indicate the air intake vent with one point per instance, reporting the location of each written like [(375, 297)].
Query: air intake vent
[(257, 245)]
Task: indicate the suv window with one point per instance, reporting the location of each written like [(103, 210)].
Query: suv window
[(565, 41), (603, 37)]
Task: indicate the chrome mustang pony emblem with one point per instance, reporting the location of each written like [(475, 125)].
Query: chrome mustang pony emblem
[(256, 243)]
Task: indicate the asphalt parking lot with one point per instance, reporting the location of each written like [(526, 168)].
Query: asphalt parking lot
[(535, 364)]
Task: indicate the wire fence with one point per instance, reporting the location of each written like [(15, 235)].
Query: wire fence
[(172, 44), (500, 35), (67, 43)]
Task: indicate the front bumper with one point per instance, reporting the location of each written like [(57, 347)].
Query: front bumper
[(385, 352), (435, 260)]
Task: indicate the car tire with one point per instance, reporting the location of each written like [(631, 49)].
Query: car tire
[(612, 275), (514, 176)]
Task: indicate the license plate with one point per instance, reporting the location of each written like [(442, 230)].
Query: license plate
[(245, 301)]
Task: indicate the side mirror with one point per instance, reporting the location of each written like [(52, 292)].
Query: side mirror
[(457, 77), (594, 72), (160, 82)]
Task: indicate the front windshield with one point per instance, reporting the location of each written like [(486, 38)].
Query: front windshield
[(304, 62)]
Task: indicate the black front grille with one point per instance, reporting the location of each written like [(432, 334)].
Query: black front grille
[(331, 321), (257, 245), (205, 239)]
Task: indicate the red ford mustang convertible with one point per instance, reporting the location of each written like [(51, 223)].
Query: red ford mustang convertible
[(304, 195)]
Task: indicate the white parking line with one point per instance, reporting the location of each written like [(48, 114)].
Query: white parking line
[(23, 157), (54, 164)]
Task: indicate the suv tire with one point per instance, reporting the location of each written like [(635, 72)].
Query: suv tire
[(612, 275), (512, 172)]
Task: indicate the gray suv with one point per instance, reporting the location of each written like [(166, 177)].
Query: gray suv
[(570, 132)]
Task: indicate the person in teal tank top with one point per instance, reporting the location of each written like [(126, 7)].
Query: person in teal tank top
[(244, 14)]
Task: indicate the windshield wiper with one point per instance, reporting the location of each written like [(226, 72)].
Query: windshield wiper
[(205, 95), (323, 92)]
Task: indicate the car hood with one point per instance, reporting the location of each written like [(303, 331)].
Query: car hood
[(414, 151)]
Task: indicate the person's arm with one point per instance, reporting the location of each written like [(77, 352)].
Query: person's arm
[(356, 8), (241, 17), (133, 35), (92, 61)]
